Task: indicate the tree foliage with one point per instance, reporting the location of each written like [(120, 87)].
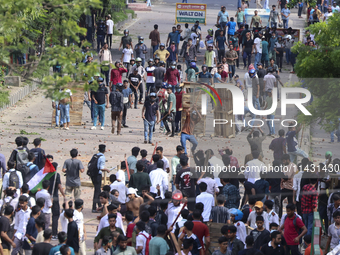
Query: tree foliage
[(319, 69)]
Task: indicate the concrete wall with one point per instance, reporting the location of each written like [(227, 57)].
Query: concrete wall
[(20, 94)]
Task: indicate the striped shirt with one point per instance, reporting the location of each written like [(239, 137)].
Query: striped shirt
[(149, 73)]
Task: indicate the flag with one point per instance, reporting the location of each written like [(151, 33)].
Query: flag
[(45, 173)]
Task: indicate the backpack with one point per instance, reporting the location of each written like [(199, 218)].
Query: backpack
[(2, 212), (178, 230), (294, 223), (13, 180), (25, 172), (158, 218), (92, 166), (148, 239), (22, 157)]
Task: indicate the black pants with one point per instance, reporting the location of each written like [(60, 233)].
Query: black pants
[(126, 106), (292, 250), (100, 41), (221, 54), (184, 45), (127, 66), (106, 73), (55, 216), (238, 59), (279, 59), (134, 91), (177, 121), (109, 40), (97, 183), (165, 121), (285, 193), (141, 91)]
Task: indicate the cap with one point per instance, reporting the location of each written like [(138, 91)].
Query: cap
[(132, 191), (210, 45), (328, 154), (102, 147), (259, 64), (259, 204), (78, 203), (269, 90)]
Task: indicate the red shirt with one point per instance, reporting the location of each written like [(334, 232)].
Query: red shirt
[(172, 76), (309, 199), (224, 75), (200, 230), (290, 231), (116, 75), (129, 231), (179, 100)]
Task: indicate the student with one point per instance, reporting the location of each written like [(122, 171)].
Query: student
[(274, 246), (159, 151), (44, 247), (219, 213), (139, 178), (188, 245), (112, 218), (72, 231), (207, 199), (19, 155), (5, 227), (78, 217), (21, 219), (104, 221), (12, 180), (106, 246), (333, 229), (291, 230), (200, 229), (309, 203), (260, 234), (141, 238), (38, 153), (235, 218), (223, 247), (157, 245), (332, 207), (116, 185), (33, 168), (31, 200), (188, 234), (31, 230), (159, 180), (62, 238), (48, 202), (272, 215), (234, 245), (130, 226), (249, 247)]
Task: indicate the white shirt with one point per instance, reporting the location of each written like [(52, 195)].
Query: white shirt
[(296, 184), (12, 201), (166, 163), (217, 164), (211, 185), (31, 200), (194, 36), (78, 217), (120, 175), (253, 169), (141, 241), (252, 219), (258, 45), (270, 80), (20, 225), (241, 232), (109, 24), (208, 201), (48, 202), (159, 177), (5, 182), (104, 222), (172, 213), (150, 69), (327, 15), (63, 222), (120, 186), (335, 9), (127, 55), (273, 217), (248, 81)]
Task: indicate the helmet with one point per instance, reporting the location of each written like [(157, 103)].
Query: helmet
[(119, 86), (162, 45), (90, 82), (173, 63), (164, 85), (193, 64), (150, 60), (140, 38), (97, 74), (238, 214), (177, 195), (204, 66), (138, 60), (100, 79), (169, 86), (126, 31), (252, 71), (270, 70), (117, 62), (210, 31), (157, 58), (289, 37)]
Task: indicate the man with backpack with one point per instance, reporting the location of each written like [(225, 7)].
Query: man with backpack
[(30, 169), (12, 178), (72, 167), (142, 239), (95, 168), (20, 154)]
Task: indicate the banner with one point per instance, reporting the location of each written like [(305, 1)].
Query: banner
[(190, 13)]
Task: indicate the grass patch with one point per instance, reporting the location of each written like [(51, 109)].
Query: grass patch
[(42, 139), (24, 132)]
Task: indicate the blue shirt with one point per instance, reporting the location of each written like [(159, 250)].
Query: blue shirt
[(173, 36), (56, 250), (223, 16), (217, 75), (231, 27), (32, 231), (33, 169), (285, 12), (221, 42), (101, 162), (126, 92)]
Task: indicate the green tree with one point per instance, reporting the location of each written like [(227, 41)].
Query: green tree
[(319, 70)]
